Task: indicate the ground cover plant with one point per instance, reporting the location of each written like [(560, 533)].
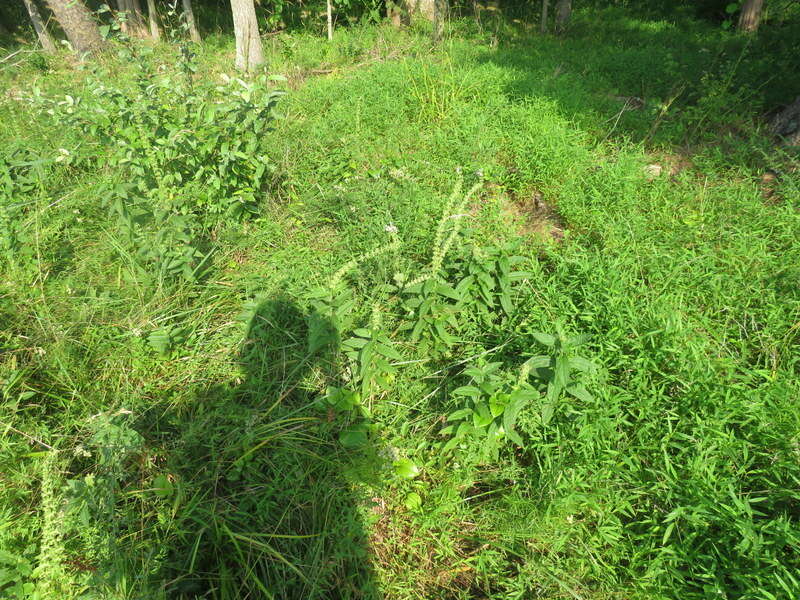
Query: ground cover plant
[(508, 316)]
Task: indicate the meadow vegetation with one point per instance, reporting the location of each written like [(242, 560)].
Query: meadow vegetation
[(513, 316)]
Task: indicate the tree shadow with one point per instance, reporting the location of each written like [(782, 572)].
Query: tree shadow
[(614, 74), (268, 502)]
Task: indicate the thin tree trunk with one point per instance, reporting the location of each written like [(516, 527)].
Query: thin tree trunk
[(41, 30), (545, 6), (76, 21), (189, 14), (440, 8), (122, 7), (750, 15), (330, 19), (136, 18), (152, 18), (397, 13), (563, 13), (248, 40)]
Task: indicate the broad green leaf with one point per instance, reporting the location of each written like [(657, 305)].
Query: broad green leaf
[(387, 350), (581, 364), (460, 414), (514, 437), (545, 338), (578, 340), (413, 501), (353, 437), (405, 468), (467, 390), (496, 408), (579, 392), (538, 362), (163, 486)]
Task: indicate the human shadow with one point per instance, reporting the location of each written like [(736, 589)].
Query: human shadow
[(269, 509)]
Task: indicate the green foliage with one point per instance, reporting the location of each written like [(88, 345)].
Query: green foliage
[(297, 452), (21, 174), (173, 184), (493, 405)]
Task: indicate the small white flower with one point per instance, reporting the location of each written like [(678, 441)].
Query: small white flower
[(479, 173), (390, 228)]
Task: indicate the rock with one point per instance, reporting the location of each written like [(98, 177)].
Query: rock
[(652, 171)]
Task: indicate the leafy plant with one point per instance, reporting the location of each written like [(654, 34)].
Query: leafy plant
[(493, 402), (21, 175), (557, 369), (178, 185)]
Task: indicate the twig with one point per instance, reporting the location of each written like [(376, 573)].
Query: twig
[(12, 55), (30, 437)]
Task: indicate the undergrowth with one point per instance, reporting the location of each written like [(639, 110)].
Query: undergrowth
[(246, 357)]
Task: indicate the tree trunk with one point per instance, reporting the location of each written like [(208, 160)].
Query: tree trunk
[(189, 14), (248, 41), (563, 13), (440, 9), (136, 18), (750, 15), (41, 31), (330, 19), (76, 21), (122, 7), (397, 13), (133, 21), (152, 18), (786, 123), (423, 8), (545, 6)]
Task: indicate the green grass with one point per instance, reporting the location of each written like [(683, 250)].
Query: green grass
[(163, 437)]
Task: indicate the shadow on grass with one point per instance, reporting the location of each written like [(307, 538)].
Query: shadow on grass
[(269, 509), (613, 75)]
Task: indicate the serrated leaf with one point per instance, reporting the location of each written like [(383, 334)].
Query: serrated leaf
[(514, 437), (467, 390), (581, 364), (538, 362), (446, 290), (496, 408), (451, 444), (482, 417), (544, 338), (578, 340), (505, 302), (547, 412), (387, 350)]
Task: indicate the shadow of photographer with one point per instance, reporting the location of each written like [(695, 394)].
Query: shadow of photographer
[(270, 509)]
